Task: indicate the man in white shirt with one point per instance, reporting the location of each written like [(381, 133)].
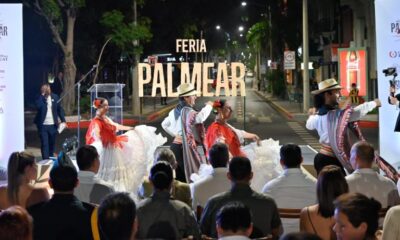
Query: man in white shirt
[(294, 188), (368, 182), (217, 182), (90, 189), (326, 99)]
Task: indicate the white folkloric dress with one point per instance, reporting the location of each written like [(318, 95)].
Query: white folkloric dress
[(123, 158)]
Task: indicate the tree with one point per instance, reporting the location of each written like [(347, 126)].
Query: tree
[(127, 35), (61, 15)]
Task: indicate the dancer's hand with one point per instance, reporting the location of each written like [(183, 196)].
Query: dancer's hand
[(255, 138), (210, 103), (393, 101), (312, 111), (378, 102)]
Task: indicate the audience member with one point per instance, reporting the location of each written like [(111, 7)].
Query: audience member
[(15, 224), (91, 188), (300, 236), (294, 188), (234, 221), (117, 217), (356, 217), (391, 226), (160, 211), (179, 191), (264, 211), (217, 182), (367, 181), (22, 170), (63, 216), (318, 219)]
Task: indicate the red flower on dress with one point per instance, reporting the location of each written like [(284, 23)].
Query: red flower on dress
[(97, 103)]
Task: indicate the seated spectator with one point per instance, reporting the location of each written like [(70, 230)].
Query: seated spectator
[(300, 236), (356, 217), (117, 217), (294, 188), (368, 182), (63, 216), (234, 221), (3, 175), (160, 211), (179, 191), (391, 226), (318, 218), (15, 224), (217, 182), (263, 209), (22, 170), (91, 189)]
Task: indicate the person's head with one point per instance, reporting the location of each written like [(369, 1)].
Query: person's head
[(300, 236), (218, 155), (362, 155), (291, 156), (63, 175), (87, 159), (222, 108), (356, 216), (101, 105), (234, 218), (331, 183), (161, 176), (21, 169), (187, 92), (354, 85), (117, 217), (328, 93), (45, 89), (166, 155), (15, 224), (240, 170)]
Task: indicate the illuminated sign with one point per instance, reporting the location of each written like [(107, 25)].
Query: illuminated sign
[(353, 69)]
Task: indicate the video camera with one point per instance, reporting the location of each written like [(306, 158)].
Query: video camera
[(390, 72)]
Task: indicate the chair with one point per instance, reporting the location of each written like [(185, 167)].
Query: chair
[(292, 213)]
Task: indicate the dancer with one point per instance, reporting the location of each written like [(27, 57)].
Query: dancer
[(123, 158), (331, 123), (185, 125), (264, 155)]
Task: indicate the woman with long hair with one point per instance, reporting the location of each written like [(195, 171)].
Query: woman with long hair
[(123, 158), (318, 219), (21, 172)]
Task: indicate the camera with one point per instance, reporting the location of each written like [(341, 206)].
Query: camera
[(390, 72)]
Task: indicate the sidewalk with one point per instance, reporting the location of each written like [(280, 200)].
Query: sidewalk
[(294, 110)]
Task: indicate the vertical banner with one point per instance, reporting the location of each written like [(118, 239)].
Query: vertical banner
[(353, 69), (12, 136), (388, 63)]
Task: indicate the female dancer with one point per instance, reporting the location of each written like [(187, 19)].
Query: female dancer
[(123, 158)]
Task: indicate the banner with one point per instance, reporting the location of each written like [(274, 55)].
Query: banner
[(388, 60), (353, 69), (12, 136)]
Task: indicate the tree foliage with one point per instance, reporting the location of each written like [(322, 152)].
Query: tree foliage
[(257, 35)]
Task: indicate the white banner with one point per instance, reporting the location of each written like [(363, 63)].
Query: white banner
[(12, 136), (388, 56)]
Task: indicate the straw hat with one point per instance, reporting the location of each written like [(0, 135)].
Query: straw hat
[(186, 89), (327, 85)]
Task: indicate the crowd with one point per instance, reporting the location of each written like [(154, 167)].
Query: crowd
[(112, 196)]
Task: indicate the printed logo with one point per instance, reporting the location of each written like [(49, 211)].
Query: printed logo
[(392, 54), (1, 110), (3, 58), (395, 28), (3, 31)]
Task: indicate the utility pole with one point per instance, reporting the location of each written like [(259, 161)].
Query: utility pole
[(135, 85), (306, 81)]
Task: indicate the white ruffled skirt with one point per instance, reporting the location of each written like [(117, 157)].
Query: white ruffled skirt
[(125, 167)]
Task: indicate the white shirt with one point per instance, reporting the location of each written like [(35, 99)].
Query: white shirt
[(391, 226), (211, 185), (320, 123), (49, 120), (91, 189), (174, 127), (236, 237), (292, 189), (371, 184)]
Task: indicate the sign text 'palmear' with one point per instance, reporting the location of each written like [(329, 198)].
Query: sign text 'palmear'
[(231, 81)]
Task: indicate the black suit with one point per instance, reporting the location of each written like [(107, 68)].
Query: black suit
[(62, 217), (47, 133)]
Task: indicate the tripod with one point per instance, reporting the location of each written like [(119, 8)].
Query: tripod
[(78, 84)]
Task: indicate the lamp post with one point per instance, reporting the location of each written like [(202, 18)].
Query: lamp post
[(306, 82)]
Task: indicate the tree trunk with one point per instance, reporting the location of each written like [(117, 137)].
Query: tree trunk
[(135, 85), (69, 67)]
